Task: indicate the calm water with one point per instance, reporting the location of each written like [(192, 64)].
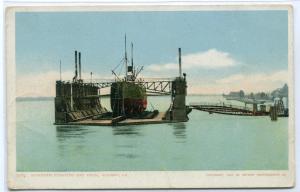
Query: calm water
[(206, 142)]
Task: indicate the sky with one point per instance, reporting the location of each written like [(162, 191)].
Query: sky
[(222, 51)]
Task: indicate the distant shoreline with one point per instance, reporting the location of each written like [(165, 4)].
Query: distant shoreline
[(33, 98), (50, 98)]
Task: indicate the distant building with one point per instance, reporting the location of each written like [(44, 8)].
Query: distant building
[(261, 96), (277, 93), (237, 94), (281, 92)]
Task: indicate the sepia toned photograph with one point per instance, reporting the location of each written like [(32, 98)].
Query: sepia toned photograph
[(150, 96)]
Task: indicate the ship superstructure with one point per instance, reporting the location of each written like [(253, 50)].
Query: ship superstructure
[(127, 95)]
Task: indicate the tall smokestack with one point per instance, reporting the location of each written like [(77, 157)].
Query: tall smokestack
[(179, 58), (75, 64), (79, 58)]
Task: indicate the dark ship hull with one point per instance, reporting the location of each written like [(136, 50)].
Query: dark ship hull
[(127, 98)]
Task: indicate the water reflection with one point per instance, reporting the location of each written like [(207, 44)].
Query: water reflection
[(66, 132), (126, 130), (126, 144), (127, 155), (179, 131), (71, 139)]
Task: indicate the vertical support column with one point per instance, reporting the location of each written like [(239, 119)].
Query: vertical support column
[(178, 109), (179, 112), (59, 103)]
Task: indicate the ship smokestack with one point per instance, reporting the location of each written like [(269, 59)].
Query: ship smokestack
[(132, 55), (179, 60), (75, 65), (79, 58)]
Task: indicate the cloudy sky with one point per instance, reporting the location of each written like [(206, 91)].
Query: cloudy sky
[(222, 51)]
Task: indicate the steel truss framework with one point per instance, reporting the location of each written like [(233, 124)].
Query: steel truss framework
[(155, 87)]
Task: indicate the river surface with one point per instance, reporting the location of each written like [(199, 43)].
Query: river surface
[(205, 142)]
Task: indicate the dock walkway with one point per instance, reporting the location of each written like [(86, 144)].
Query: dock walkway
[(223, 108)]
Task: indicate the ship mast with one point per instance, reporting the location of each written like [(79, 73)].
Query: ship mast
[(131, 68), (126, 60)]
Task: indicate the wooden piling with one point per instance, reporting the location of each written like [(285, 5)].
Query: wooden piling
[(273, 113)]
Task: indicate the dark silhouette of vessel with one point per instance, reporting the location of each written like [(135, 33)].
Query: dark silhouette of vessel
[(128, 97)]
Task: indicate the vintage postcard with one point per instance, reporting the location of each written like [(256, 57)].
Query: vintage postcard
[(150, 96)]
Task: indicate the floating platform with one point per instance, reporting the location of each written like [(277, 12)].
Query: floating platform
[(158, 119), (227, 109)]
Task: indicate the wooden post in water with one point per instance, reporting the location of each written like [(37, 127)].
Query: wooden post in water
[(71, 96), (273, 113), (254, 108)]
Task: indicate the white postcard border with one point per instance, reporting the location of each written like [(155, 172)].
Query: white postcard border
[(140, 179)]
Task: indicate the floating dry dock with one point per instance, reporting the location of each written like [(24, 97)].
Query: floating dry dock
[(83, 107), (78, 102)]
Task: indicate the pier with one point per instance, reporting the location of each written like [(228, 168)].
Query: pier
[(227, 109), (274, 111)]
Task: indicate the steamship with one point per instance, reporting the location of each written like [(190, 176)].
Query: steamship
[(127, 95)]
